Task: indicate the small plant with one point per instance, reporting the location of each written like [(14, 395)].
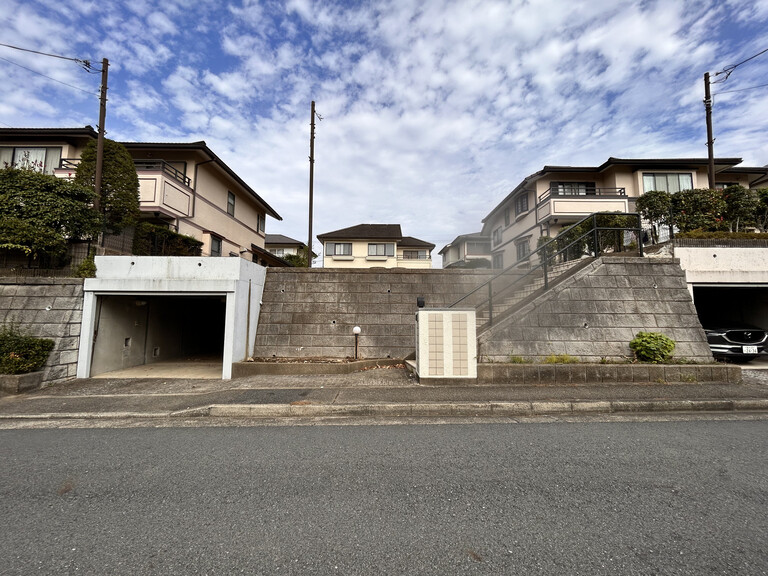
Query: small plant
[(20, 353), (87, 268), (652, 347), (516, 359), (560, 359)]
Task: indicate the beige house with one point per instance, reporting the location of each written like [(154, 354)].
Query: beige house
[(184, 186), (557, 196), (467, 251), (280, 246), (374, 245)]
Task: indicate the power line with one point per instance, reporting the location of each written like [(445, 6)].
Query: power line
[(49, 78), (729, 69), (739, 89), (86, 64)]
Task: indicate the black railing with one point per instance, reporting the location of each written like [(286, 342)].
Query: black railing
[(581, 192), (141, 165), (164, 167), (69, 163), (592, 236)]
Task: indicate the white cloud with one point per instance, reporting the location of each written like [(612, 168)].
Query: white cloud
[(442, 103)]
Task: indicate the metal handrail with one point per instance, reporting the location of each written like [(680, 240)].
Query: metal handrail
[(157, 165), (587, 192), (548, 256), (164, 167)]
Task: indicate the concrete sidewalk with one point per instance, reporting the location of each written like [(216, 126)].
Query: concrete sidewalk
[(386, 392)]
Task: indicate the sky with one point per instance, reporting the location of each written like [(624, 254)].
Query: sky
[(432, 110)]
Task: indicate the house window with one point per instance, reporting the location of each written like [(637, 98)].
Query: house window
[(724, 185), (572, 188), (478, 248), (498, 261), (230, 203), (507, 213), (338, 248), (41, 159), (671, 183), (521, 204), (414, 255), (215, 245), (496, 237), (278, 252), (381, 249), (523, 249), (261, 222)]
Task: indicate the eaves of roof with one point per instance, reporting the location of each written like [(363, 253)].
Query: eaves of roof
[(365, 232)]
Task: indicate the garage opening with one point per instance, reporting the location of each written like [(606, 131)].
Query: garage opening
[(141, 330), (724, 306)]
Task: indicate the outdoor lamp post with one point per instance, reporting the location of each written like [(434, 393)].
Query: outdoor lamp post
[(356, 332)]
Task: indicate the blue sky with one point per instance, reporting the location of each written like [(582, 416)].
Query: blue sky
[(433, 110)]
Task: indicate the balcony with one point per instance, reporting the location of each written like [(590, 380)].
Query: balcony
[(579, 202)]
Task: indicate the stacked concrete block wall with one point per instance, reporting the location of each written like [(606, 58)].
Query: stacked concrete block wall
[(47, 308), (594, 314), (310, 313)]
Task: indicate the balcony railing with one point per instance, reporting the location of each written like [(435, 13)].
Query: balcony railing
[(141, 166), (164, 167), (419, 257), (583, 192)]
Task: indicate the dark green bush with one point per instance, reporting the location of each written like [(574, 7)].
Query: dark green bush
[(652, 347), (20, 353), (722, 235), (153, 240)]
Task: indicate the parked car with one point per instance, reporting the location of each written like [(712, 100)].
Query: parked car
[(739, 343)]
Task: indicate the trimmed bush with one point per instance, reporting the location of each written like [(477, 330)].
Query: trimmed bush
[(652, 347), (20, 353), (152, 240)]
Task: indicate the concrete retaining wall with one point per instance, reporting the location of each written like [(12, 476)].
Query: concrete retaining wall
[(311, 312), (47, 308), (594, 314)]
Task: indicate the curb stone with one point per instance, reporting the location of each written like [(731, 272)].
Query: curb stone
[(418, 409)]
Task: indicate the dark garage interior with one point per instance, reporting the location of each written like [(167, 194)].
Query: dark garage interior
[(135, 330), (732, 306)]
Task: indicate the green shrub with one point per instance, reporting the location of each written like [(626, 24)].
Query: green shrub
[(652, 347), (87, 268), (152, 240), (516, 359), (20, 353), (560, 359)]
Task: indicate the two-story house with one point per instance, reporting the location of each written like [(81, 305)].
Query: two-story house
[(181, 185), (374, 245), (557, 196), (467, 251), (281, 245)]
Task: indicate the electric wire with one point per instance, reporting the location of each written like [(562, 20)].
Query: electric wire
[(85, 64), (48, 77), (729, 69)]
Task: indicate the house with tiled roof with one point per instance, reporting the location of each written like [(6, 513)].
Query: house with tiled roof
[(281, 245), (374, 245), (183, 186), (555, 197)]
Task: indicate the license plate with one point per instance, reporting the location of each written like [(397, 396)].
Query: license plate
[(749, 349)]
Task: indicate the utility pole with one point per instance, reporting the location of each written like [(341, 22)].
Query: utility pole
[(311, 180), (710, 139), (100, 140)]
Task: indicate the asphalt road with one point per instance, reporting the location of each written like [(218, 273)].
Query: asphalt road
[(556, 498)]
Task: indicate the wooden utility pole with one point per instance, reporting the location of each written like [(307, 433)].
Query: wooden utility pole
[(710, 139), (100, 140), (311, 180)]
